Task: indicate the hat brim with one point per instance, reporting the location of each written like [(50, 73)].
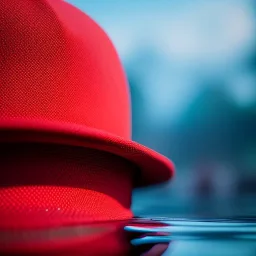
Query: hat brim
[(154, 167)]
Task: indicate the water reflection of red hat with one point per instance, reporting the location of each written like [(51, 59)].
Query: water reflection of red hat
[(65, 122)]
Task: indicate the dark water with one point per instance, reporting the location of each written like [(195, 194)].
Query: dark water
[(196, 237), (184, 237)]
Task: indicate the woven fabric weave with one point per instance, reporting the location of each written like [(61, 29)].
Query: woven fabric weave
[(61, 79), (49, 185)]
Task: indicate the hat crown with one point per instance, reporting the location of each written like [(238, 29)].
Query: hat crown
[(57, 64)]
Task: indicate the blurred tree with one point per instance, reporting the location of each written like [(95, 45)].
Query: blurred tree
[(138, 107), (213, 127)]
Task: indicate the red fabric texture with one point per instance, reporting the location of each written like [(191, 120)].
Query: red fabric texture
[(61, 81), (63, 200), (57, 64), (67, 158), (49, 185)]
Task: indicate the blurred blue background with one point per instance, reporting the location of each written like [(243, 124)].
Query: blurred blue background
[(191, 66)]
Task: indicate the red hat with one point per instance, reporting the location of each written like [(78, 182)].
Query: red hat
[(62, 83)]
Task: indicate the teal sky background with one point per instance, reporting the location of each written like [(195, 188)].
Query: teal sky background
[(187, 41)]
